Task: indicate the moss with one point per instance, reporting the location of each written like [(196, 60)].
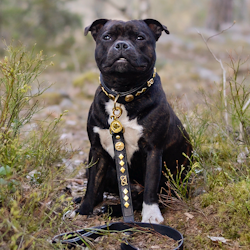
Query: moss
[(232, 205)]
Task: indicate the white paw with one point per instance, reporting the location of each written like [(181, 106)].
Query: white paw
[(151, 214)]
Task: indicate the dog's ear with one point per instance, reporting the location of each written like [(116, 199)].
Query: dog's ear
[(156, 27), (95, 27)]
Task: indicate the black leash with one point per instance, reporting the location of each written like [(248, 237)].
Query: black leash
[(116, 130), (79, 237)]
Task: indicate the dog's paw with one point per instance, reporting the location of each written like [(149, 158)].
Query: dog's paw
[(151, 214)]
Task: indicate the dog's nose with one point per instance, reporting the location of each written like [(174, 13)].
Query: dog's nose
[(121, 45)]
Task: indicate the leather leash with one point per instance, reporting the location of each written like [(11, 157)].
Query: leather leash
[(117, 130), (79, 237)]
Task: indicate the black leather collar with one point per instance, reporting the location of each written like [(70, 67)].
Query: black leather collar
[(128, 96)]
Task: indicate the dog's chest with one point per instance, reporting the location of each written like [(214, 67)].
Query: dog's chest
[(132, 134)]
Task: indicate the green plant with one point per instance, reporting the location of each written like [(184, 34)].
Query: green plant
[(179, 184), (19, 71), (27, 160)]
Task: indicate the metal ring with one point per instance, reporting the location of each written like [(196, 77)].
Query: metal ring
[(119, 109)]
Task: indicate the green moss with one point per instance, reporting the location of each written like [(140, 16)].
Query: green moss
[(232, 205)]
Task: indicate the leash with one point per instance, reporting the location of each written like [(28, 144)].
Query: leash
[(117, 130), (120, 156), (79, 237)]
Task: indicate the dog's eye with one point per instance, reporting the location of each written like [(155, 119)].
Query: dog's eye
[(107, 37), (140, 38)]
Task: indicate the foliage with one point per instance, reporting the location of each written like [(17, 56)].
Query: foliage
[(233, 207), (181, 185), (27, 159), (222, 151), (42, 21)]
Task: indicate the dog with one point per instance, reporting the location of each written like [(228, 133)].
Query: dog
[(125, 55)]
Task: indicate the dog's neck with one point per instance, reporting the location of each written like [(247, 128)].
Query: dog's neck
[(125, 82)]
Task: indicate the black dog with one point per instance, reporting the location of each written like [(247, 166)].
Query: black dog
[(125, 55)]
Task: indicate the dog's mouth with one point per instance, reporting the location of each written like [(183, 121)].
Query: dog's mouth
[(124, 64), (121, 60)]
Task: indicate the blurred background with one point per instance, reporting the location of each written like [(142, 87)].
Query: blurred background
[(183, 60)]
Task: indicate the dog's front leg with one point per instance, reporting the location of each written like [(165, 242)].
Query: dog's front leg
[(96, 181), (150, 208)]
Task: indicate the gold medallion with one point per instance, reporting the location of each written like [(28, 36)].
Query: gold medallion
[(119, 146), (116, 126), (129, 98)]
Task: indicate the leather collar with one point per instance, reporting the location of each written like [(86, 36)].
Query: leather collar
[(128, 96)]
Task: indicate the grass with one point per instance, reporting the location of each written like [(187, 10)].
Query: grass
[(29, 206)]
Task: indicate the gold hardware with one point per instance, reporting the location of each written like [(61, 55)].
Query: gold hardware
[(129, 98), (125, 191), (119, 146), (115, 127), (122, 163), (126, 204), (117, 112), (122, 169), (121, 156), (150, 82), (105, 92), (125, 198), (154, 74), (118, 137), (140, 92), (124, 180), (111, 97)]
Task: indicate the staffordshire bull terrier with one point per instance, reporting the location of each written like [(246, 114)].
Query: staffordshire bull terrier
[(125, 55)]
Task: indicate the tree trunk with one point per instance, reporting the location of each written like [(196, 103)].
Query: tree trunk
[(220, 12)]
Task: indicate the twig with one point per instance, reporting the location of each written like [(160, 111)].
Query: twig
[(222, 67), (221, 31)]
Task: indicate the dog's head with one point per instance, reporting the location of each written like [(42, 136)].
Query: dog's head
[(125, 47)]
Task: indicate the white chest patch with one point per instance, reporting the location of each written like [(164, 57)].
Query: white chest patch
[(133, 132)]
